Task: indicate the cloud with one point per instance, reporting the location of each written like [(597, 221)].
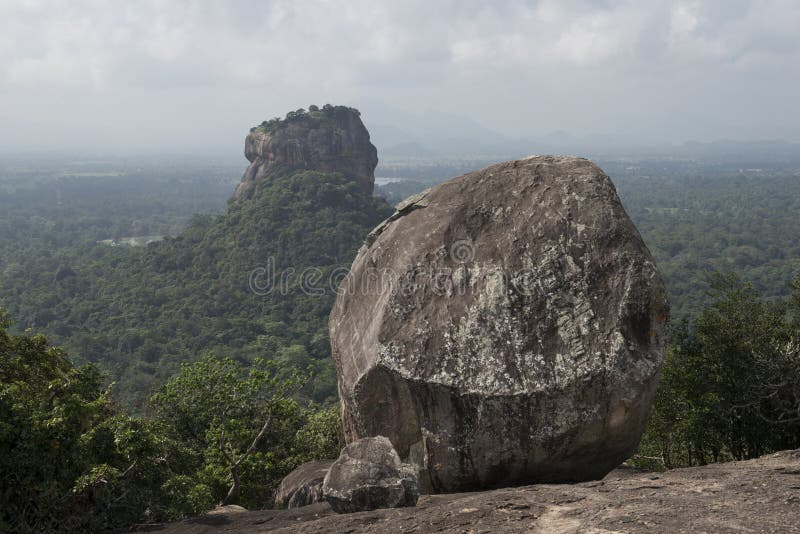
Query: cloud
[(88, 42), (489, 57)]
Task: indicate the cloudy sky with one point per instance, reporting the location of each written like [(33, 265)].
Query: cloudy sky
[(186, 75)]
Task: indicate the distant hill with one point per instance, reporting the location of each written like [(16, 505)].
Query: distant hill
[(257, 280), (410, 150)]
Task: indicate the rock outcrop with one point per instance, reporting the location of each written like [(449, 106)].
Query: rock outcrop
[(506, 327), (758, 495), (331, 139), (303, 486), (369, 475)]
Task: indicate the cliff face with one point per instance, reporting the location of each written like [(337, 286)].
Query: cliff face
[(331, 139)]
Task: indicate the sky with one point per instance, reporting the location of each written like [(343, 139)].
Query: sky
[(194, 76)]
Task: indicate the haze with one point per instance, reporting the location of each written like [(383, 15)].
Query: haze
[(194, 76)]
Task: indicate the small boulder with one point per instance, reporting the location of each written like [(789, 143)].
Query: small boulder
[(370, 475), (303, 486)]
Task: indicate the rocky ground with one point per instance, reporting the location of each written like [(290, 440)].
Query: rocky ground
[(761, 495)]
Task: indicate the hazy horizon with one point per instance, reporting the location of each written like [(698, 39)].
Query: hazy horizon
[(193, 77)]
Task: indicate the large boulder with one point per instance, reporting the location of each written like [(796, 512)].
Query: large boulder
[(369, 475), (331, 139), (506, 327), (303, 486)]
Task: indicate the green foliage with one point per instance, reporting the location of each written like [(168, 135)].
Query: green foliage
[(71, 461), (68, 460), (730, 385), (322, 436), (314, 113), (241, 422), (139, 313), (223, 430), (700, 221)]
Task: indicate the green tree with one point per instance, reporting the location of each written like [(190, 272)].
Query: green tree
[(242, 421), (322, 435), (730, 384), (69, 460)]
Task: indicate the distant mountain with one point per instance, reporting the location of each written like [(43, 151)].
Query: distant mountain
[(410, 150), (439, 134), (433, 134)]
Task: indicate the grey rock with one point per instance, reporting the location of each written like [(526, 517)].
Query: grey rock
[(303, 486), (336, 141), (369, 475), (505, 328), (413, 202)]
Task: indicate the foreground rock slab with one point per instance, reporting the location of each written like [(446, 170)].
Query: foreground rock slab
[(369, 475), (303, 486), (506, 327), (761, 495)]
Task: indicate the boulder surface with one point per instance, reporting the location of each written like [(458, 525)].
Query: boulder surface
[(303, 486), (369, 475), (506, 327)]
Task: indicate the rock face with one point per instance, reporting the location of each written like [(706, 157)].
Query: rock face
[(506, 327), (332, 139), (303, 486), (369, 475)]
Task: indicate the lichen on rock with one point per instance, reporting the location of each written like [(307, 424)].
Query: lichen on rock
[(521, 338), (369, 475)]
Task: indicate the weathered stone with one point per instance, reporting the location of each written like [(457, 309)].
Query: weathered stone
[(331, 140), (506, 327), (303, 486), (369, 475)]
